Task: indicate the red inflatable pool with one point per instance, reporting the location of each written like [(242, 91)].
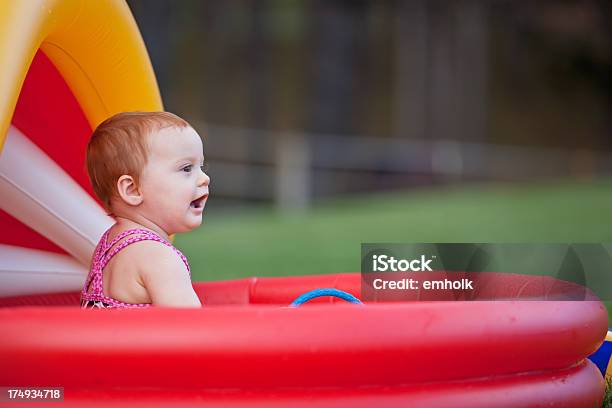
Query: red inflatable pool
[(245, 350)]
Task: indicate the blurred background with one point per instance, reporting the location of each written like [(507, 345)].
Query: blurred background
[(331, 123)]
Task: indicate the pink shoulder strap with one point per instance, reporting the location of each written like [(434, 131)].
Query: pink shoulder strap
[(140, 235), (105, 252)]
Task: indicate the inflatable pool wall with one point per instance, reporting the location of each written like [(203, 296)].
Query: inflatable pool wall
[(244, 349)]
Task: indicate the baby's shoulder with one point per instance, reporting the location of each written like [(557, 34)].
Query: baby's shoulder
[(154, 260), (149, 252)]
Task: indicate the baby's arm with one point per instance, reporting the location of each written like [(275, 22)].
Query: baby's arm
[(164, 276)]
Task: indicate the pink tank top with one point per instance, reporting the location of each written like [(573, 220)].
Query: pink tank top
[(102, 255)]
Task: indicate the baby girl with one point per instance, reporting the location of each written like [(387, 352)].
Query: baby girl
[(146, 167)]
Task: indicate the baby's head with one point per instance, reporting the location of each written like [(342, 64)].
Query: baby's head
[(147, 167)]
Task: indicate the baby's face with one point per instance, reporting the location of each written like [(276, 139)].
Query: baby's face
[(173, 184)]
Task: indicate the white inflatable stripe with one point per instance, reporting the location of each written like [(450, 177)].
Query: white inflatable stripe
[(37, 192), (25, 271)]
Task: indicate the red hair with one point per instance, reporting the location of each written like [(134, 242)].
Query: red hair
[(119, 146)]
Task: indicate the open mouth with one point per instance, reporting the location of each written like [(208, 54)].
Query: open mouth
[(199, 203)]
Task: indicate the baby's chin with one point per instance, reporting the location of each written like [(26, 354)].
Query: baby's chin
[(195, 225), (191, 224), (181, 227)]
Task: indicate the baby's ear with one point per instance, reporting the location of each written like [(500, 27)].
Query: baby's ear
[(128, 190)]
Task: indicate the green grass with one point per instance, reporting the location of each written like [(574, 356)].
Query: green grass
[(326, 239), (607, 402)]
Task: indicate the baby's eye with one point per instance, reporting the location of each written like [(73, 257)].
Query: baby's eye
[(187, 169)]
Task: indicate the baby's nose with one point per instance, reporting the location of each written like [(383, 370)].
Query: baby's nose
[(204, 179)]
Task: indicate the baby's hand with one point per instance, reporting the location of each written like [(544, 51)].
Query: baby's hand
[(164, 275)]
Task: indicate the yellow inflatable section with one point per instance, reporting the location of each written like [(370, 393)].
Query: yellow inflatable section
[(94, 44)]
